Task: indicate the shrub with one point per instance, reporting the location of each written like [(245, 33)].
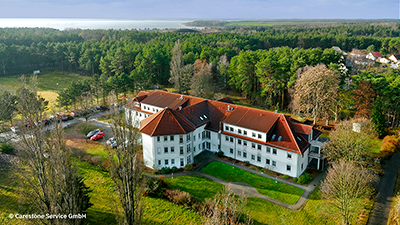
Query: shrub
[(230, 158), (304, 179), (87, 158), (174, 169), (85, 128), (6, 148), (219, 153), (165, 170), (96, 160), (286, 177), (188, 167), (295, 179), (180, 197), (390, 144), (78, 153), (247, 163), (106, 164), (155, 187)]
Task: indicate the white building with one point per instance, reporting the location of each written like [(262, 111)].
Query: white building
[(374, 56), (175, 128)]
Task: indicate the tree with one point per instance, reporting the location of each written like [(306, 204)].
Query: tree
[(223, 65), (202, 82), (363, 98), (54, 185), (344, 184), (377, 117), (127, 167), (226, 208), (8, 103), (348, 144), (315, 91), (176, 66)]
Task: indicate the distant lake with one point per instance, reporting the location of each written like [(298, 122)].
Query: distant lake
[(92, 24)]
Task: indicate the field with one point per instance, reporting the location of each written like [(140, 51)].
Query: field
[(276, 190)]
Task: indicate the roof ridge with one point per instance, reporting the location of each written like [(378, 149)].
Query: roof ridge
[(164, 111), (291, 132)]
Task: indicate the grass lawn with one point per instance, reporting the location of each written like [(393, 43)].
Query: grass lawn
[(198, 186), (376, 146), (279, 191)]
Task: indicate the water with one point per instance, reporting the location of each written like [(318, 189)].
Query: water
[(92, 24)]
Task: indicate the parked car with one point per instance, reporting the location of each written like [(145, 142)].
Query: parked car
[(73, 114), (70, 117), (112, 142), (15, 129), (54, 119), (62, 116), (97, 136), (93, 132)]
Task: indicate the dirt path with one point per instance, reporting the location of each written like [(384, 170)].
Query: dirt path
[(380, 211)]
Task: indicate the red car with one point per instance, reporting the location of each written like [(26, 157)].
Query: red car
[(62, 116), (97, 136)]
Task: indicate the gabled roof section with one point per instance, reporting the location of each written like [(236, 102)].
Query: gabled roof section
[(286, 136), (376, 54), (254, 119), (166, 122), (198, 114), (226, 100)]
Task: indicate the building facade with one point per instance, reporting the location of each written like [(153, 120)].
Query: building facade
[(175, 128)]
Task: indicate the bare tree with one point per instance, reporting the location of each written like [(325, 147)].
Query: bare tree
[(345, 183), (315, 91), (227, 208), (202, 83), (222, 67), (53, 184), (127, 167), (364, 97), (348, 144), (178, 72)]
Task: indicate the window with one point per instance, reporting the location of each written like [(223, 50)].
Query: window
[(158, 150), (165, 149), (231, 150), (253, 134), (194, 137), (302, 155), (302, 166), (194, 148), (239, 142), (268, 150), (181, 150), (253, 157), (208, 145), (136, 113), (245, 143), (259, 147), (267, 161), (166, 162), (182, 163), (274, 151), (204, 145), (253, 145), (239, 153), (226, 138), (200, 147), (159, 162), (244, 154), (288, 167), (158, 139), (172, 161), (171, 138), (172, 149), (189, 160), (180, 139), (226, 128), (231, 139), (199, 136), (239, 131), (245, 132), (188, 138), (273, 163), (259, 136), (289, 156), (258, 158), (231, 129), (208, 134), (188, 148)]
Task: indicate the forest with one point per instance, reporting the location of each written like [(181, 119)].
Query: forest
[(261, 62)]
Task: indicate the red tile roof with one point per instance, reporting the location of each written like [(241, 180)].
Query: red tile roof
[(376, 54), (196, 112), (166, 122)]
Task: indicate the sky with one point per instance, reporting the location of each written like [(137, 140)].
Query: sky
[(201, 9)]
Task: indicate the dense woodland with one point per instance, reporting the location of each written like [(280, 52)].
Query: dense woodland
[(262, 63)]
